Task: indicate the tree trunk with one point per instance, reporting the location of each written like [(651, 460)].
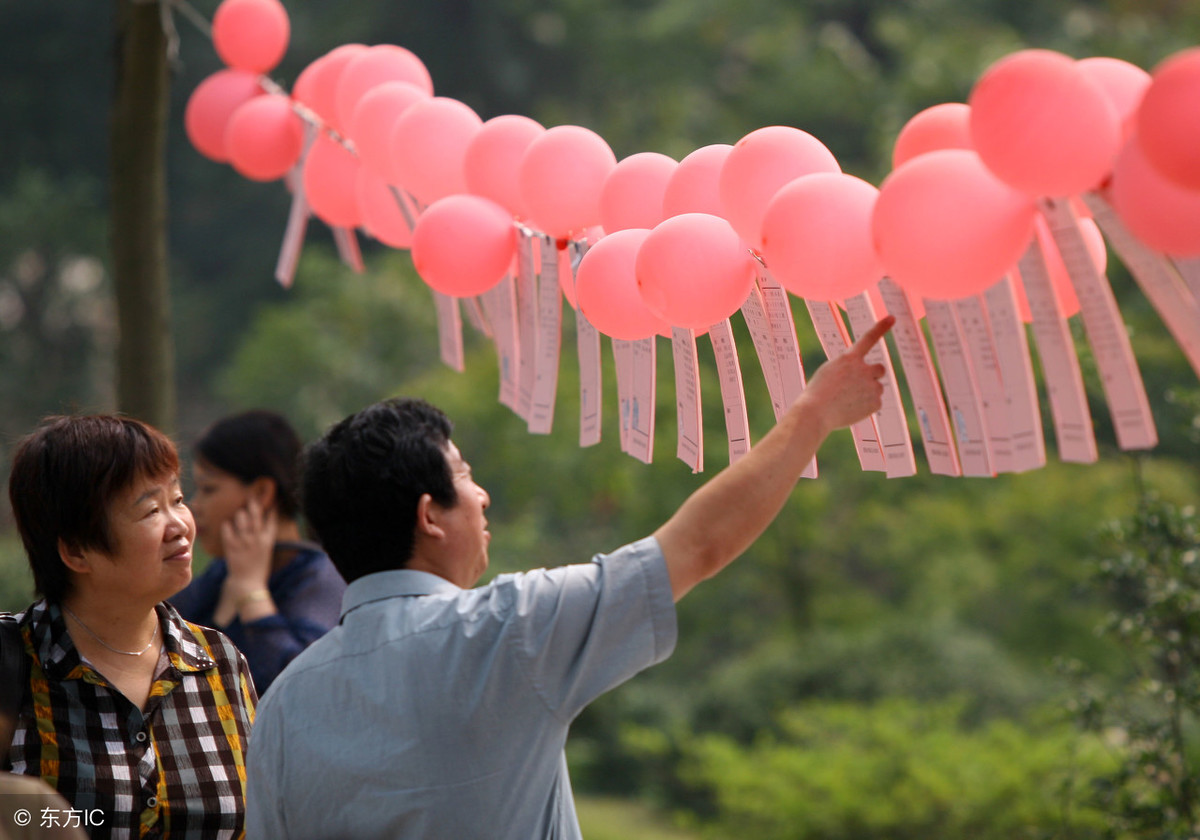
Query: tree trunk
[(137, 138)]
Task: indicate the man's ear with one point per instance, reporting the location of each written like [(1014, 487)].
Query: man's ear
[(76, 559), (428, 517)]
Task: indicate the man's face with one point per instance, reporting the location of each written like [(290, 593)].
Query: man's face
[(465, 523)]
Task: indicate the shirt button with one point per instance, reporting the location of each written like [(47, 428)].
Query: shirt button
[(140, 737)]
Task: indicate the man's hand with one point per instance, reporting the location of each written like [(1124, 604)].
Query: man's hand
[(847, 389)]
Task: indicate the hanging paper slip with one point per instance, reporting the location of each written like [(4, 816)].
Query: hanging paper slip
[(476, 316), (923, 385), (500, 305), (449, 331), (1119, 374), (636, 365), (977, 341), (733, 395), (1073, 430), (407, 205), (587, 340), (962, 397), (1176, 303), (527, 322), (1016, 374), (549, 342), (787, 349), (754, 312), (297, 223), (898, 456), (831, 331), (690, 445), (347, 248)]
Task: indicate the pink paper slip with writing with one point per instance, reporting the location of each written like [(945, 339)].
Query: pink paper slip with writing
[(636, 366), (1177, 303), (778, 311), (527, 321), (549, 342), (297, 223), (690, 446), (587, 344), (922, 381), (831, 332), (500, 304), (889, 420), (962, 395), (1073, 431), (977, 341), (1119, 374), (733, 394), (754, 311), (1016, 374), (347, 248), (449, 323)]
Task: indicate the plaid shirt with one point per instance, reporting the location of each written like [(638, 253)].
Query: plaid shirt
[(176, 770)]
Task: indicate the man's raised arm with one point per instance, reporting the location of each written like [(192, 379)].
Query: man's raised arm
[(725, 516)]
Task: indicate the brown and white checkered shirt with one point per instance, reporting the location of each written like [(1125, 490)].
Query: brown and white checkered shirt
[(176, 770)]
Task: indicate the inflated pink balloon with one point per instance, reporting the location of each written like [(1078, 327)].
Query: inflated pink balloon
[(377, 65), (1060, 280), (945, 126), (694, 186), (251, 35), (693, 270), (759, 165), (1123, 83), (816, 236), (210, 106), (494, 155), (302, 88), (326, 77), (1042, 125), (1157, 210), (560, 178), (632, 195), (1168, 121), (379, 209), (463, 244), (945, 227), (330, 174), (374, 118), (607, 289), (264, 137), (428, 144)]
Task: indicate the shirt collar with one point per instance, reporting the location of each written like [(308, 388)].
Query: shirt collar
[(395, 583), (60, 659)]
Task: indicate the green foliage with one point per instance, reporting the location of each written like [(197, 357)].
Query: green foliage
[(897, 770)]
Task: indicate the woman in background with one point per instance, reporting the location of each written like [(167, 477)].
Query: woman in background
[(270, 592)]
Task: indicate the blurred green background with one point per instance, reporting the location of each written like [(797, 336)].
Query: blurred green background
[(918, 658)]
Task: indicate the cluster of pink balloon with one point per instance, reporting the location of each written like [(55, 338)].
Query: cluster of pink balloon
[(679, 243)]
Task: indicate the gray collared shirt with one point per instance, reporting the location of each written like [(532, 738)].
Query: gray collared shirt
[(438, 712)]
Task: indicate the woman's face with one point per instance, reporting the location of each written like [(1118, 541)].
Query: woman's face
[(217, 497)]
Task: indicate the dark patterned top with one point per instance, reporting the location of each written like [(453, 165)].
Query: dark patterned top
[(176, 770)]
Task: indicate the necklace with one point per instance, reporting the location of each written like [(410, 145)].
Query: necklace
[(92, 633)]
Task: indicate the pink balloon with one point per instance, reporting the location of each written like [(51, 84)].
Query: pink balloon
[(1042, 125), (945, 227), (1123, 83), (759, 165), (251, 35), (1168, 121), (302, 88), (429, 142), (373, 67), (464, 244), (210, 107), (374, 118), (632, 195), (379, 209), (330, 174), (326, 78), (606, 285), (816, 236), (694, 270), (264, 137), (945, 126), (1060, 280), (494, 155), (1158, 211), (560, 178), (694, 186)]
